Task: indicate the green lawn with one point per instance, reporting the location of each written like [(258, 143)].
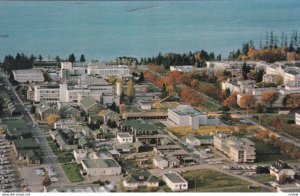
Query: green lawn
[(209, 106), (213, 181), (263, 178), (73, 172), (266, 153), (63, 157)]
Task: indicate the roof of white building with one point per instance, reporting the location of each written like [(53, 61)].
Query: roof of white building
[(186, 110)]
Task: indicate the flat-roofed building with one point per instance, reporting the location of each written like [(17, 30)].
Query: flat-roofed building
[(175, 182), (240, 150), (47, 93), (109, 70), (28, 75), (186, 115), (160, 162), (100, 167), (124, 138)]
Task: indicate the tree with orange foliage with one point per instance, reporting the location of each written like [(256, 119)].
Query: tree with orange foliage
[(52, 118), (263, 134), (247, 101), (269, 97), (230, 101), (194, 83)]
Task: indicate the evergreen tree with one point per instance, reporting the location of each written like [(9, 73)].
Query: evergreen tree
[(72, 58), (40, 57), (164, 92), (82, 58)]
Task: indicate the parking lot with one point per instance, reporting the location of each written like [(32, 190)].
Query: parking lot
[(8, 178)]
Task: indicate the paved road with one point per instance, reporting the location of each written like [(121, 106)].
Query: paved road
[(49, 157)]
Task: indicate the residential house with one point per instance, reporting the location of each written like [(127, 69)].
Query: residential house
[(138, 127), (90, 106), (140, 146), (69, 111), (109, 114), (43, 111), (140, 178), (124, 138), (83, 143), (27, 150), (65, 139), (15, 128), (160, 162), (282, 170), (206, 139), (175, 182)]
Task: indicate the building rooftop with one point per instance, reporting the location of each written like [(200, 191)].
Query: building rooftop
[(100, 163), (25, 143), (186, 110), (175, 178), (88, 102), (28, 71), (124, 135)]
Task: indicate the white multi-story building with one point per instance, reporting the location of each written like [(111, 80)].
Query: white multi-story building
[(297, 118), (186, 115), (240, 150), (72, 94), (47, 93), (175, 182), (290, 72), (28, 75), (104, 71), (124, 138)]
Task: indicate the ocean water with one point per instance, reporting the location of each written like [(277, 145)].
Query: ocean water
[(108, 29)]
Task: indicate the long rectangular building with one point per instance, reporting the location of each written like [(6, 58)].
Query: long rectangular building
[(28, 75)]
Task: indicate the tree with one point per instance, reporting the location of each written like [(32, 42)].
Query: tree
[(53, 118), (40, 58), (247, 101), (141, 78), (112, 79), (263, 134), (57, 59), (82, 58), (259, 76), (130, 90), (245, 71), (230, 101), (32, 109), (72, 58), (194, 83), (164, 92), (269, 97)]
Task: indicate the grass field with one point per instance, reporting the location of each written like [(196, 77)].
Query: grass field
[(73, 172), (263, 178), (213, 181), (266, 153)]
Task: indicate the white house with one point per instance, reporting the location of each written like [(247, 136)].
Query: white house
[(140, 178), (280, 168), (192, 140), (160, 162), (100, 167), (124, 138), (175, 182), (145, 105)]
